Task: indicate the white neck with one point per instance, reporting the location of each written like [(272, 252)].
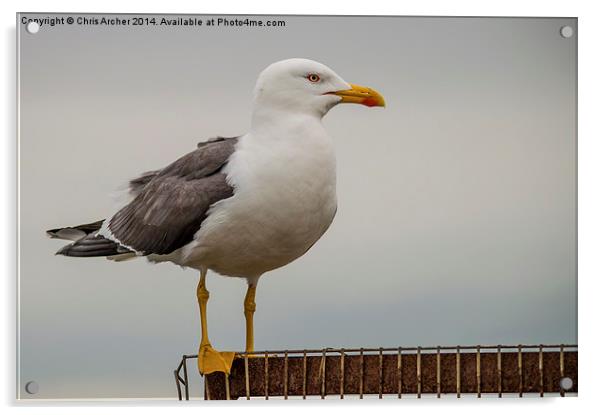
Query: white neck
[(270, 119)]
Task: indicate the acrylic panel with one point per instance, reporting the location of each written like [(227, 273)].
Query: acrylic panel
[(453, 182)]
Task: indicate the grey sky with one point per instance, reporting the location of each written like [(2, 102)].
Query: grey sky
[(457, 202)]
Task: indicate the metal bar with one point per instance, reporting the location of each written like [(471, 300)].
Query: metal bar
[(408, 349), (361, 373), (186, 393), (285, 375), (520, 371), (342, 386), (227, 382), (458, 372), (380, 374), (478, 357), (418, 375), (266, 384), (561, 357), (438, 373), (499, 372), (323, 375), (541, 371), (247, 387), (304, 374), (399, 373), (175, 372)]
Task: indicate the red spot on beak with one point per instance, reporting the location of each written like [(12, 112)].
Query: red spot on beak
[(370, 102)]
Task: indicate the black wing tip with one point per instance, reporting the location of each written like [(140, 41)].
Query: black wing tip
[(51, 233), (64, 251), (75, 232), (92, 246)]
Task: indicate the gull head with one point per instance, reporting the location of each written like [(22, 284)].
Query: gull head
[(306, 86)]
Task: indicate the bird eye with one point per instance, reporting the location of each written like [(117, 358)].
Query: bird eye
[(312, 77)]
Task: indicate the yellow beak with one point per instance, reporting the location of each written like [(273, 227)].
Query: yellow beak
[(361, 95)]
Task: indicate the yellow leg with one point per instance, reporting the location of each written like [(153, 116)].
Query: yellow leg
[(210, 360), (249, 311)]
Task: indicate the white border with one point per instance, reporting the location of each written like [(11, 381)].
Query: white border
[(590, 186)]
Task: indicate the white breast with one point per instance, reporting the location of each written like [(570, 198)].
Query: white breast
[(285, 199)]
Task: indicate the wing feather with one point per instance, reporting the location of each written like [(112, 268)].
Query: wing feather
[(171, 204)]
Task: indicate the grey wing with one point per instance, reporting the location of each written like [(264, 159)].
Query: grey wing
[(170, 207), (136, 185)]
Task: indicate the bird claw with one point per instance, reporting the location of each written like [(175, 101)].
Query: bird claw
[(210, 360)]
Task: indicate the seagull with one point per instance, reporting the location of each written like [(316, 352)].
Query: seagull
[(239, 206)]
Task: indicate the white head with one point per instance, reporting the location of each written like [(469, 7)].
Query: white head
[(306, 86)]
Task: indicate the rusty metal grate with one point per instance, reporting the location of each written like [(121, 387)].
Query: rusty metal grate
[(401, 371)]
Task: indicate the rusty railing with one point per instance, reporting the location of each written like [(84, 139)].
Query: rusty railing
[(460, 370)]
